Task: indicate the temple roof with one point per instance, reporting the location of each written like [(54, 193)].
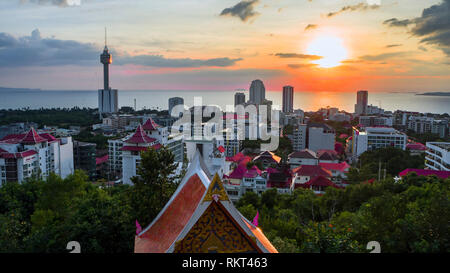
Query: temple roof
[(140, 137), (197, 195), (150, 125), (32, 137)]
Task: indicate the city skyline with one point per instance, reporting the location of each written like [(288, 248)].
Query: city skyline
[(393, 46)]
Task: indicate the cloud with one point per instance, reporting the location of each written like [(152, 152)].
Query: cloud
[(311, 26), (357, 7), (382, 57), (298, 56), (394, 45), (59, 3), (296, 66), (433, 26), (394, 22), (34, 50), (161, 61), (243, 10)]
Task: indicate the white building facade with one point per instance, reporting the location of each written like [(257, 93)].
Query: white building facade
[(35, 155), (438, 156), (372, 138)]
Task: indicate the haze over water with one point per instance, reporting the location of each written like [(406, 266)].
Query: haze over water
[(154, 99)]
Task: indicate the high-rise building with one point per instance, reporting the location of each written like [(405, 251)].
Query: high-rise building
[(257, 92), (288, 99), (84, 155), (321, 136), (362, 99), (239, 99), (174, 102), (108, 101)]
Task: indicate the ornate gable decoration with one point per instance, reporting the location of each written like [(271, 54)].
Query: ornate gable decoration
[(216, 191)]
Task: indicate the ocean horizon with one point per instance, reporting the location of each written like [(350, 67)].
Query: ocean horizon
[(18, 98)]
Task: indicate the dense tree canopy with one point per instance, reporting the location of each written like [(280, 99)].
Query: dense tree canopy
[(408, 216)]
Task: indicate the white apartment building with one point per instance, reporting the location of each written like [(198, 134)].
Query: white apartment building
[(371, 138), (321, 137), (438, 156), (121, 165), (34, 155)]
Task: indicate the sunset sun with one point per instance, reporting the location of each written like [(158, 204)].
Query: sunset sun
[(330, 48)]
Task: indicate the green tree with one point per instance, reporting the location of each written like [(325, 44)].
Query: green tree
[(154, 184)]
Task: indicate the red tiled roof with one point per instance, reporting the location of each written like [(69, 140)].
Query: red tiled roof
[(160, 236), (260, 236), (253, 172), (342, 167), (320, 181), (312, 170), (416, 146), (140, 137), (306, 153), (236, 157), (238, 172), (32, 137), (100, 160), (150, 125), (420, 172), (48, 136), (327, 155)]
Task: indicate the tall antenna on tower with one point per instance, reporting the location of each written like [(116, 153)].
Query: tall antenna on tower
[(106, 37)]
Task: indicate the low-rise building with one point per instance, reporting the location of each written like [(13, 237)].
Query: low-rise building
[(303, 157), (305, 173), (371, 138)]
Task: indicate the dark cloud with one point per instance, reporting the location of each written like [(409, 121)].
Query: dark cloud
[(59, 3), (243, 10), (34, 50), (357, 7), (37, 51), (298, 56), (433, 26), (311, 26), (394, 22), (296, 66), (382, 57), (161, 61), (394, 45)]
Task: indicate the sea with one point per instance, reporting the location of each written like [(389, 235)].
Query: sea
[(158, 99)]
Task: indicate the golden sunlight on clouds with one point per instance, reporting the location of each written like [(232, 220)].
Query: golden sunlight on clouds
[(331, 48)]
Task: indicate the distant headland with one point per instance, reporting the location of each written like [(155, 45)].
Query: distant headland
[(18, 89), (434, 94)]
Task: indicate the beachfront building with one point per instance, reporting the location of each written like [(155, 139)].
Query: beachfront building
[(34, 155)]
